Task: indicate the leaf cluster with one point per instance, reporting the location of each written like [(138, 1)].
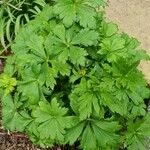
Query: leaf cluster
[(73, 78)]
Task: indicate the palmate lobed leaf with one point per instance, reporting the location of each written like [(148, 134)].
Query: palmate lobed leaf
[(115, 105), (85, 37), (73, 134), (108, 29), (113, 48), (78, 10), (94, 134), (86, 103), (52, 120)]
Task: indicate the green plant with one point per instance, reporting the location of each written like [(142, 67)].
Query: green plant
[(73, 78), (13, 15)]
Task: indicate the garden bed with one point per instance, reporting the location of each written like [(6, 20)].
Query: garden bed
[(80, 85)]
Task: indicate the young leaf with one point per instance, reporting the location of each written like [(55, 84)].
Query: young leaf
[(7, 83)]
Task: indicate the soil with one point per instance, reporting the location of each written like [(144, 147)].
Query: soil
[(19, 141), (133, 17)]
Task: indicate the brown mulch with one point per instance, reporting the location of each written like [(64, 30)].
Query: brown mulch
[(19, 141), (15, 142)]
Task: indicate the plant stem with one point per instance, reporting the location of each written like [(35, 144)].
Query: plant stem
[(3, 57)]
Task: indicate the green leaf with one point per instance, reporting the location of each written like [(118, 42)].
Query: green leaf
[(38, 48), (72, 11), (113, 48), (88, 140), (109, 29), (13, 119), (136, 98), (66, 11), (8, 33), (74, 133), (99, 134), (7, 83), (114, 104), (130, 42), (87, 103), (2, 27), (30, 88), (85, 37), (40, 2), (105, 132), (125, 74), (60, 32), (63, 68), (52, 120), (97, 3), (77, 55), (82, 12), (17, 24), (48, 75)]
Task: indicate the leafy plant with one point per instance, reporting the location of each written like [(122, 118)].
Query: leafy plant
[(14, 14), (73, 78)]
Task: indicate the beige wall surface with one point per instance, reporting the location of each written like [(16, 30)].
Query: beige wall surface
[(133, 17)]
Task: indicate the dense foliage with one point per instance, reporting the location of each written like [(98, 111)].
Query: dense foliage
[(13, 15), (73, 78)]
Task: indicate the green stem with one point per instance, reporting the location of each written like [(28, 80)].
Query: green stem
[(13, 6), (3, 57)]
